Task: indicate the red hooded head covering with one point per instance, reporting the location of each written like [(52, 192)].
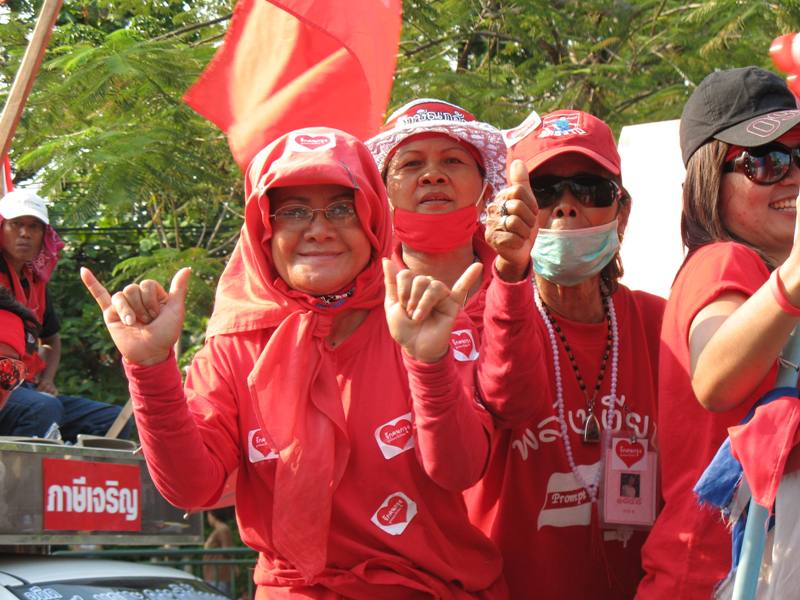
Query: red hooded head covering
[(293, 382)]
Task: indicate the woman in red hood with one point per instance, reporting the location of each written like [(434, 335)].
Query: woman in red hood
[(441, 165), (351, 449)]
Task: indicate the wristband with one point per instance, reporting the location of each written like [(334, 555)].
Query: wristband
[(779, 293)]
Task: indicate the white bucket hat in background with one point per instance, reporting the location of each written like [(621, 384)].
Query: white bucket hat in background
[(23, 203), (428, 115)]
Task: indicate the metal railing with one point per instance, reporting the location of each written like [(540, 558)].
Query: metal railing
[(239, 563)]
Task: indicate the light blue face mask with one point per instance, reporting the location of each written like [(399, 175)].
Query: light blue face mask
[(567, 257)]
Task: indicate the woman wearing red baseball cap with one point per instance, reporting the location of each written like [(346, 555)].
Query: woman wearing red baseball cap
[(339, 412), (732, 306), (568, 369), (441, 165)]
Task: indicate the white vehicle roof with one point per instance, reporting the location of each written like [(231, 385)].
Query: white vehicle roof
[(43, 569)]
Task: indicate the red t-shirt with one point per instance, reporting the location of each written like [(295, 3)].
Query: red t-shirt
[(399, 527), (530, 503), (689, 549)]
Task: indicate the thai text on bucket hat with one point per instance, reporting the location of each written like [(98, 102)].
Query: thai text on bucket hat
[(746, 107), (564, 131), (428, 115)]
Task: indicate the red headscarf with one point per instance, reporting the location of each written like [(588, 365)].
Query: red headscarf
[(293, 382)]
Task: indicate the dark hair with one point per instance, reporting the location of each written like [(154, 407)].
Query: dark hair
[(613, 271), (701, 218), (29, 322)]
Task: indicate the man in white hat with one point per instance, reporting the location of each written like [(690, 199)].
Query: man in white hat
[(29, 248)]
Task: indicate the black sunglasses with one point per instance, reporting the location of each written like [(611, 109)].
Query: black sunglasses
[(593, 191), (764, 165)]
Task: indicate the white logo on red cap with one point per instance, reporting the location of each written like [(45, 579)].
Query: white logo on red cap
[(396, 512), (257, 447), (395, 436), (562, 125), (463, 344), (521, 131), (305, 142)]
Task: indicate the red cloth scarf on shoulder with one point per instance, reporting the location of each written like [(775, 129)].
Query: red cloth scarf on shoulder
[(293, 382)]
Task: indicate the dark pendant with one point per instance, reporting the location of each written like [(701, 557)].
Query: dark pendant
[(591, 430)]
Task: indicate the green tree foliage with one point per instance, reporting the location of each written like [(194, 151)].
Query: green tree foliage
[(142, 185), (624, 61)]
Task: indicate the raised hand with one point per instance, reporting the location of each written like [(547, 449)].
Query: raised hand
[(511, 224), (420, 310), (143, 319)]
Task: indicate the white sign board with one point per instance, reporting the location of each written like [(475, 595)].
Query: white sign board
[(653, 172)]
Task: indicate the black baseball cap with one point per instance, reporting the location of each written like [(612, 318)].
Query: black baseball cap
[(746, 107)]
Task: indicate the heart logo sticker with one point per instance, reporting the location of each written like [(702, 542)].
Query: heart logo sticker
[(395, 513), (396, 436), (463, 344), (629, 452), (257, 447), (303, 142)]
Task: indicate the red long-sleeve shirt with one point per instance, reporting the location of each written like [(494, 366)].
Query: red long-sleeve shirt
[(399, 527)]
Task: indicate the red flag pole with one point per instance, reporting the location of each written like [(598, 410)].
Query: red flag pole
[(26, 74)]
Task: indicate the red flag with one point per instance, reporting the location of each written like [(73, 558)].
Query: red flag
[(764, 444), (287, 64), (6, 183)]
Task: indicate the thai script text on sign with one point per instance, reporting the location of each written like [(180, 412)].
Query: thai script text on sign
[(91, 496)]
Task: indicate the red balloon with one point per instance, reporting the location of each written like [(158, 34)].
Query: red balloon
[(793, 82), (781, 53)]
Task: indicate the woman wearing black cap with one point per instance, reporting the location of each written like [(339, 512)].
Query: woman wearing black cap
[(727, 318)]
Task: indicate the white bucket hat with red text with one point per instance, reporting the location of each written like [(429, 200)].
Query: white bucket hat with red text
[(428, 115)]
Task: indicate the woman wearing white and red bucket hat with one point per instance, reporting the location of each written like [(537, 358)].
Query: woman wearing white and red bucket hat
[(441, 165), (568, 368), (732, 306)]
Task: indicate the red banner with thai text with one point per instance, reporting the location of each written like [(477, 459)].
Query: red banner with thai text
[(91, 496)]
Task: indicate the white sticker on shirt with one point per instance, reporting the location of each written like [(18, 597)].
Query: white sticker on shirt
[(463, 343), (257, 447), (303, 142), (566, 502), (395, 513), (396, 436)]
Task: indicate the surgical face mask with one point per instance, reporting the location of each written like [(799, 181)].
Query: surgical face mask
[(567, 257)]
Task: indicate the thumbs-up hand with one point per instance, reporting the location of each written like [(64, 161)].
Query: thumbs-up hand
[(143, 319), (511, 224)]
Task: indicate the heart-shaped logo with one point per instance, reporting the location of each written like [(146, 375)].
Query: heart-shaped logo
[(312, 142), (463, 343), (396, 435), (630, 452), (395, 511), (260, 443)]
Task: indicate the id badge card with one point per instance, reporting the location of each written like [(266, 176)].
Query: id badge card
[(628, 496)]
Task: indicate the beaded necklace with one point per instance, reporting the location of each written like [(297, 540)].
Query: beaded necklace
[(590, 487)]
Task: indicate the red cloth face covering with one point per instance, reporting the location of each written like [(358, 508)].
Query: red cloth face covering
[(435, 232), (293, 382)]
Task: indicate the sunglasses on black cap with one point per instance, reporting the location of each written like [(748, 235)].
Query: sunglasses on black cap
[(593, 191), (764, 165)]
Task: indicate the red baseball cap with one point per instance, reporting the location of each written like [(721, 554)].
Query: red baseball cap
[(566, 131)]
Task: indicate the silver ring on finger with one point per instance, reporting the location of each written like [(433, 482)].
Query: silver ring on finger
[(504, 210), (505, 222)]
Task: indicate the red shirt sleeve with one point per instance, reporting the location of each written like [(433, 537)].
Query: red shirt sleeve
[(713, 270), (188, 440), (511, 367), (447, 421)]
